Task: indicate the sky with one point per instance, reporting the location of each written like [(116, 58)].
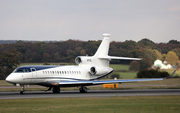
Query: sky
[(58, 20)]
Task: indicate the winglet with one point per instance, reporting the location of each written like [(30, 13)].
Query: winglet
[(171, 75)]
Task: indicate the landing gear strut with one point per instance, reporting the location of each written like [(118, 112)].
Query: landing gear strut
[(83, 89), (49, 89), (22, 89), (56, 90)]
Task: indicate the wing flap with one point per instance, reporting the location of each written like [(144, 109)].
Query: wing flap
[(124, 81)]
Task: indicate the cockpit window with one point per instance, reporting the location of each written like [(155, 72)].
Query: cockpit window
[(21, 70)]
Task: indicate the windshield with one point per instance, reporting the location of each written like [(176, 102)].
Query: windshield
[(22, 70)]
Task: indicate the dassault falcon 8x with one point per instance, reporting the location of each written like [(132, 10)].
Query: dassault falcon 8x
[(89, 71)]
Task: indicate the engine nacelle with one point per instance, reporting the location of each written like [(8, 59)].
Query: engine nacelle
[(78, 60), (97, 70), (89, 61), (83, 60)]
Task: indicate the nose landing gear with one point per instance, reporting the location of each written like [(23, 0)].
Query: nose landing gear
[(22, 89)]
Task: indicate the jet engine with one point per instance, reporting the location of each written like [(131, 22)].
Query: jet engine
[(78, 60), (97, 70), (83, 60)]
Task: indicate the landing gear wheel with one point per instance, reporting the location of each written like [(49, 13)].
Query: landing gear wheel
[(83, 89), (56, 90), (21, 92), (22, 89)]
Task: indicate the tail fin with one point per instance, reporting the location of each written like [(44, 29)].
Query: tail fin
[(104, 47), (103, 50)]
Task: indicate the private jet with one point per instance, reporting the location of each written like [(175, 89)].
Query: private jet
[(88, 71)]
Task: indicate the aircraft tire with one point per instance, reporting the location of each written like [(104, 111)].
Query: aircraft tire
[(21, 92), (82, 91), (56, 90)]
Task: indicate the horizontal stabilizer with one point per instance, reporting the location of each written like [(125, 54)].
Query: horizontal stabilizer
[(123, 58)]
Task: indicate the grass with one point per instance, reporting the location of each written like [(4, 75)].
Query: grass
[(117, 67), (138, 104)]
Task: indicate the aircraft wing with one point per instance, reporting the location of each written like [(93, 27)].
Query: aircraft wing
[(110, 81)]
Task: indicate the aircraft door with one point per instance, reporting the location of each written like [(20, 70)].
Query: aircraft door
[(34, 75)]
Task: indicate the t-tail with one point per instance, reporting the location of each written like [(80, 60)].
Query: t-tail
[(101, 57)]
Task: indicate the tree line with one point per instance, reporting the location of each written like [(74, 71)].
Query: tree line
[(11, 55)]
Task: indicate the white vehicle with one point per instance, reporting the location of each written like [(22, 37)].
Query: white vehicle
[(88, 72)]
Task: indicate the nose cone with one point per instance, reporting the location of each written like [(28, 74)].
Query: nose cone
[(11, 78)]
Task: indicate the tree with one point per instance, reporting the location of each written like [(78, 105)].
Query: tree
[(177, 51), (158, 54), (174, 42), (46, 57), (2, 73), (147, 61), (146, 43), (164, 56), (134, 66), (83, 52), (9, 59), (70, 55), (152, 74), (56, 57), (172, 58)]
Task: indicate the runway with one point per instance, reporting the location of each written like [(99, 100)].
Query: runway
[(90, 93)]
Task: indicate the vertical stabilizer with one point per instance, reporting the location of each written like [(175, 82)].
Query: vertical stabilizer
[(104, 46)]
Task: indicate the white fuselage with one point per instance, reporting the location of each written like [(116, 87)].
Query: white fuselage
[(57, 73)]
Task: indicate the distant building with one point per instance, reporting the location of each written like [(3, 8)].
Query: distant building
[(158, 64)]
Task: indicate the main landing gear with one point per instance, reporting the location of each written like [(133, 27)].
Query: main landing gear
[(56, 90), (83, 89)]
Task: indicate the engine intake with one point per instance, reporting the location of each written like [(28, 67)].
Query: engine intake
[(93, 70), (78, 60), (97, 70)]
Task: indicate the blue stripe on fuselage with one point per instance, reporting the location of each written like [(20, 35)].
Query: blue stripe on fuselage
[(36, 67)]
